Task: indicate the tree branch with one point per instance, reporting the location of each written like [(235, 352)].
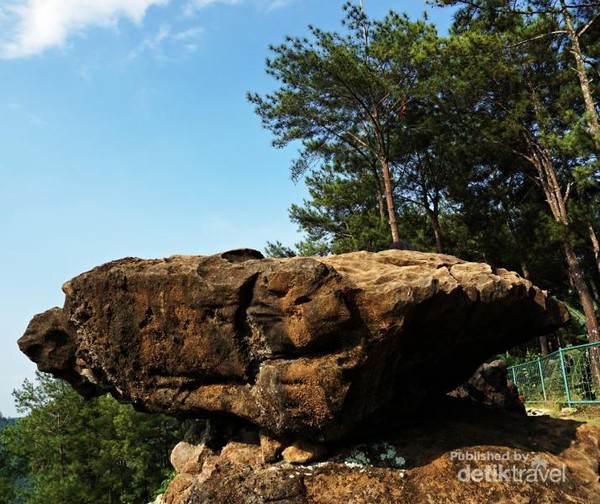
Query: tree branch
[(537, 37), (587, 25)]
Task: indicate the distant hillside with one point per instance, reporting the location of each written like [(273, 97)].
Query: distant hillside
[(6, 421)]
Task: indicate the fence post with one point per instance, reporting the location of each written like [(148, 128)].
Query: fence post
[(542, 379), (514, 376), (564, 373)]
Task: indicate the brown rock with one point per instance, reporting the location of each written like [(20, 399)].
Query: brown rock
[(435, 465), (313, 348), (490, 385), (303, 452), (241, 454), (270, 447), (179, 489), (188, 458)]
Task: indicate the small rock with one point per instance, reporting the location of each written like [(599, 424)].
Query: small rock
[(490, 385), (188, 458), (568, 411), (302, 452), (270, 447), (178, 489), (242, 454)]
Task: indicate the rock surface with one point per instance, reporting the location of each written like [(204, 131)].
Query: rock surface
[(302, 452), (490, 386), (312, 348), (438, 459)]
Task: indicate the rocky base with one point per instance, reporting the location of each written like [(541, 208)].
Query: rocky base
[(457, 452)]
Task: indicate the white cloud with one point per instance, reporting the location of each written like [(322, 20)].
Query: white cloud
[(37, 25), (152, 43), (193, 6), (188, 35), (189, 40), (278, 4), (30, 27), (167, 44), (200, 4)]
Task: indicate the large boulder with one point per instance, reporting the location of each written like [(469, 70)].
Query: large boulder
[(312, 348)]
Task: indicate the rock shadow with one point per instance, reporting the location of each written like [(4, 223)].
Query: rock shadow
[(452, 424)]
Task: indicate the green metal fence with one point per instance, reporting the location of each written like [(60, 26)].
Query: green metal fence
[(562, 376)]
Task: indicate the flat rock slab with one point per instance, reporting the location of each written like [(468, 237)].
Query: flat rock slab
[(310, 347)]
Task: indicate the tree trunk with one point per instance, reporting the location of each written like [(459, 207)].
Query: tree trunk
[(541, 158), (591, 321), (584, 82), (389, 199), (437, 232), (594, 288), (380, 206), (595, 246), (380, 202), (587, 303), (434, 215), (525, 270), (544, 347)]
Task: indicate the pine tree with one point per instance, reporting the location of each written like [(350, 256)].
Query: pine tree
[(73, 450)]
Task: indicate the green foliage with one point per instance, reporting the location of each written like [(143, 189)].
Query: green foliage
[(542, 171), (577, 320), (170, 476), (513, 359), (278, 249), (73, 450), (4, 422), (354, 101), (486, 132), (11, 470), (577, 317), (342, 213), (341, 92)]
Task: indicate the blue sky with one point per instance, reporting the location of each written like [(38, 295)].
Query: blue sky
[(124, 131)]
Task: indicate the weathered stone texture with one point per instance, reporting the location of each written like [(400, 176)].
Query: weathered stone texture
[(310, 347)]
